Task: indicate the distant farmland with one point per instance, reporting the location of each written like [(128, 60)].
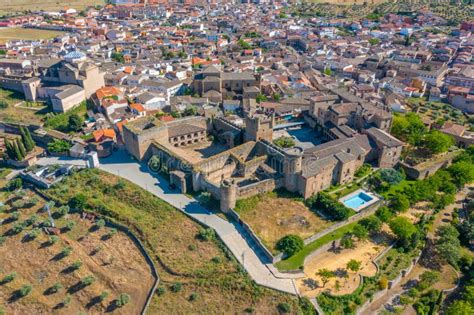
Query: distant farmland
[(9, 6), (24, 33)]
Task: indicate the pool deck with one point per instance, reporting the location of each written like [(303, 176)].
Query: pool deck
[(374, 199)]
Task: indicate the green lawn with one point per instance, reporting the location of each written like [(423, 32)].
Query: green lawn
[(296, 261), (397, 188)]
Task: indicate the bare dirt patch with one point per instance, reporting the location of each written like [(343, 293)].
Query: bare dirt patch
[(115, 263), (348, 281)]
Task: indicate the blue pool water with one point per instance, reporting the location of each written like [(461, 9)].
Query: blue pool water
[(356, 201)]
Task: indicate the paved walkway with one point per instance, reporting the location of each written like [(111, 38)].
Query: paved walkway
[(235, 238)]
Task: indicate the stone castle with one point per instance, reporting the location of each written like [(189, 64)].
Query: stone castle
[(243, 161)]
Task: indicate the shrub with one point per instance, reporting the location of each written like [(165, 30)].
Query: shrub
[(391, 176), (86, 281), (206, 234), (99, 224), (14, 184), (31, 220), (66, 251), (111, 233), (17, 228), (284, 307), (122, 300), (33, 234), (59, 146), (176, 287), (9, 278), (347, 242), (193, 297), (284, 142), (360, 232), (76, 265), (216, 260), (400, 203), (103, 295), (25, 290), (67, 300), (290, 244), (53, 239), (62, 211), (429, 278), (56, 287), (383, 283), (78, 202), (204, 198), (372, 223), (161, 291), (332, 208), (70, 225), (15, 215)]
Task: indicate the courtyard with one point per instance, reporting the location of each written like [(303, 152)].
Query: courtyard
[(304, 136), (197, 152)]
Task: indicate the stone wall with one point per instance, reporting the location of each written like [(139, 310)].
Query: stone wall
[(248, 230), (11, 84), (220, 124), (260, 187), (416, 172)]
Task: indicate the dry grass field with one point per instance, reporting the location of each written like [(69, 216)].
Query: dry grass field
[(11, 6), (115, 264), (25, 33), (14, 114), (273, 216)]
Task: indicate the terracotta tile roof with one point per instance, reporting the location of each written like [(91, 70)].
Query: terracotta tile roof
[(137, 107), (107, 92), (167, 118), (103, 133)]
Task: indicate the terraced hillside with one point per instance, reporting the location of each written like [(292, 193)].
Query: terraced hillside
[(9, 6)]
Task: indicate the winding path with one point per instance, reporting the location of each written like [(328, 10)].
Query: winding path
[(234, 237)]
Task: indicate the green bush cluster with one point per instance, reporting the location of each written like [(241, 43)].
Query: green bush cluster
[(331, 208)]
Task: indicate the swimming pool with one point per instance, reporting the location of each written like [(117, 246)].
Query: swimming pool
[(358, 200)]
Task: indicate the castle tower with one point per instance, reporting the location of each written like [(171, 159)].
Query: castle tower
[(30, 88), (292, 167), (259, 127), (228, 195)]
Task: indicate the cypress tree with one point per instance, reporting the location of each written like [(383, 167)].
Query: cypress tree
[(18, 155), (24, 139), (31, 142), (10, 150), (21, 148)]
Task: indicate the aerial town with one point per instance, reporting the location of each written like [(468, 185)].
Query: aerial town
[(236, 157)]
